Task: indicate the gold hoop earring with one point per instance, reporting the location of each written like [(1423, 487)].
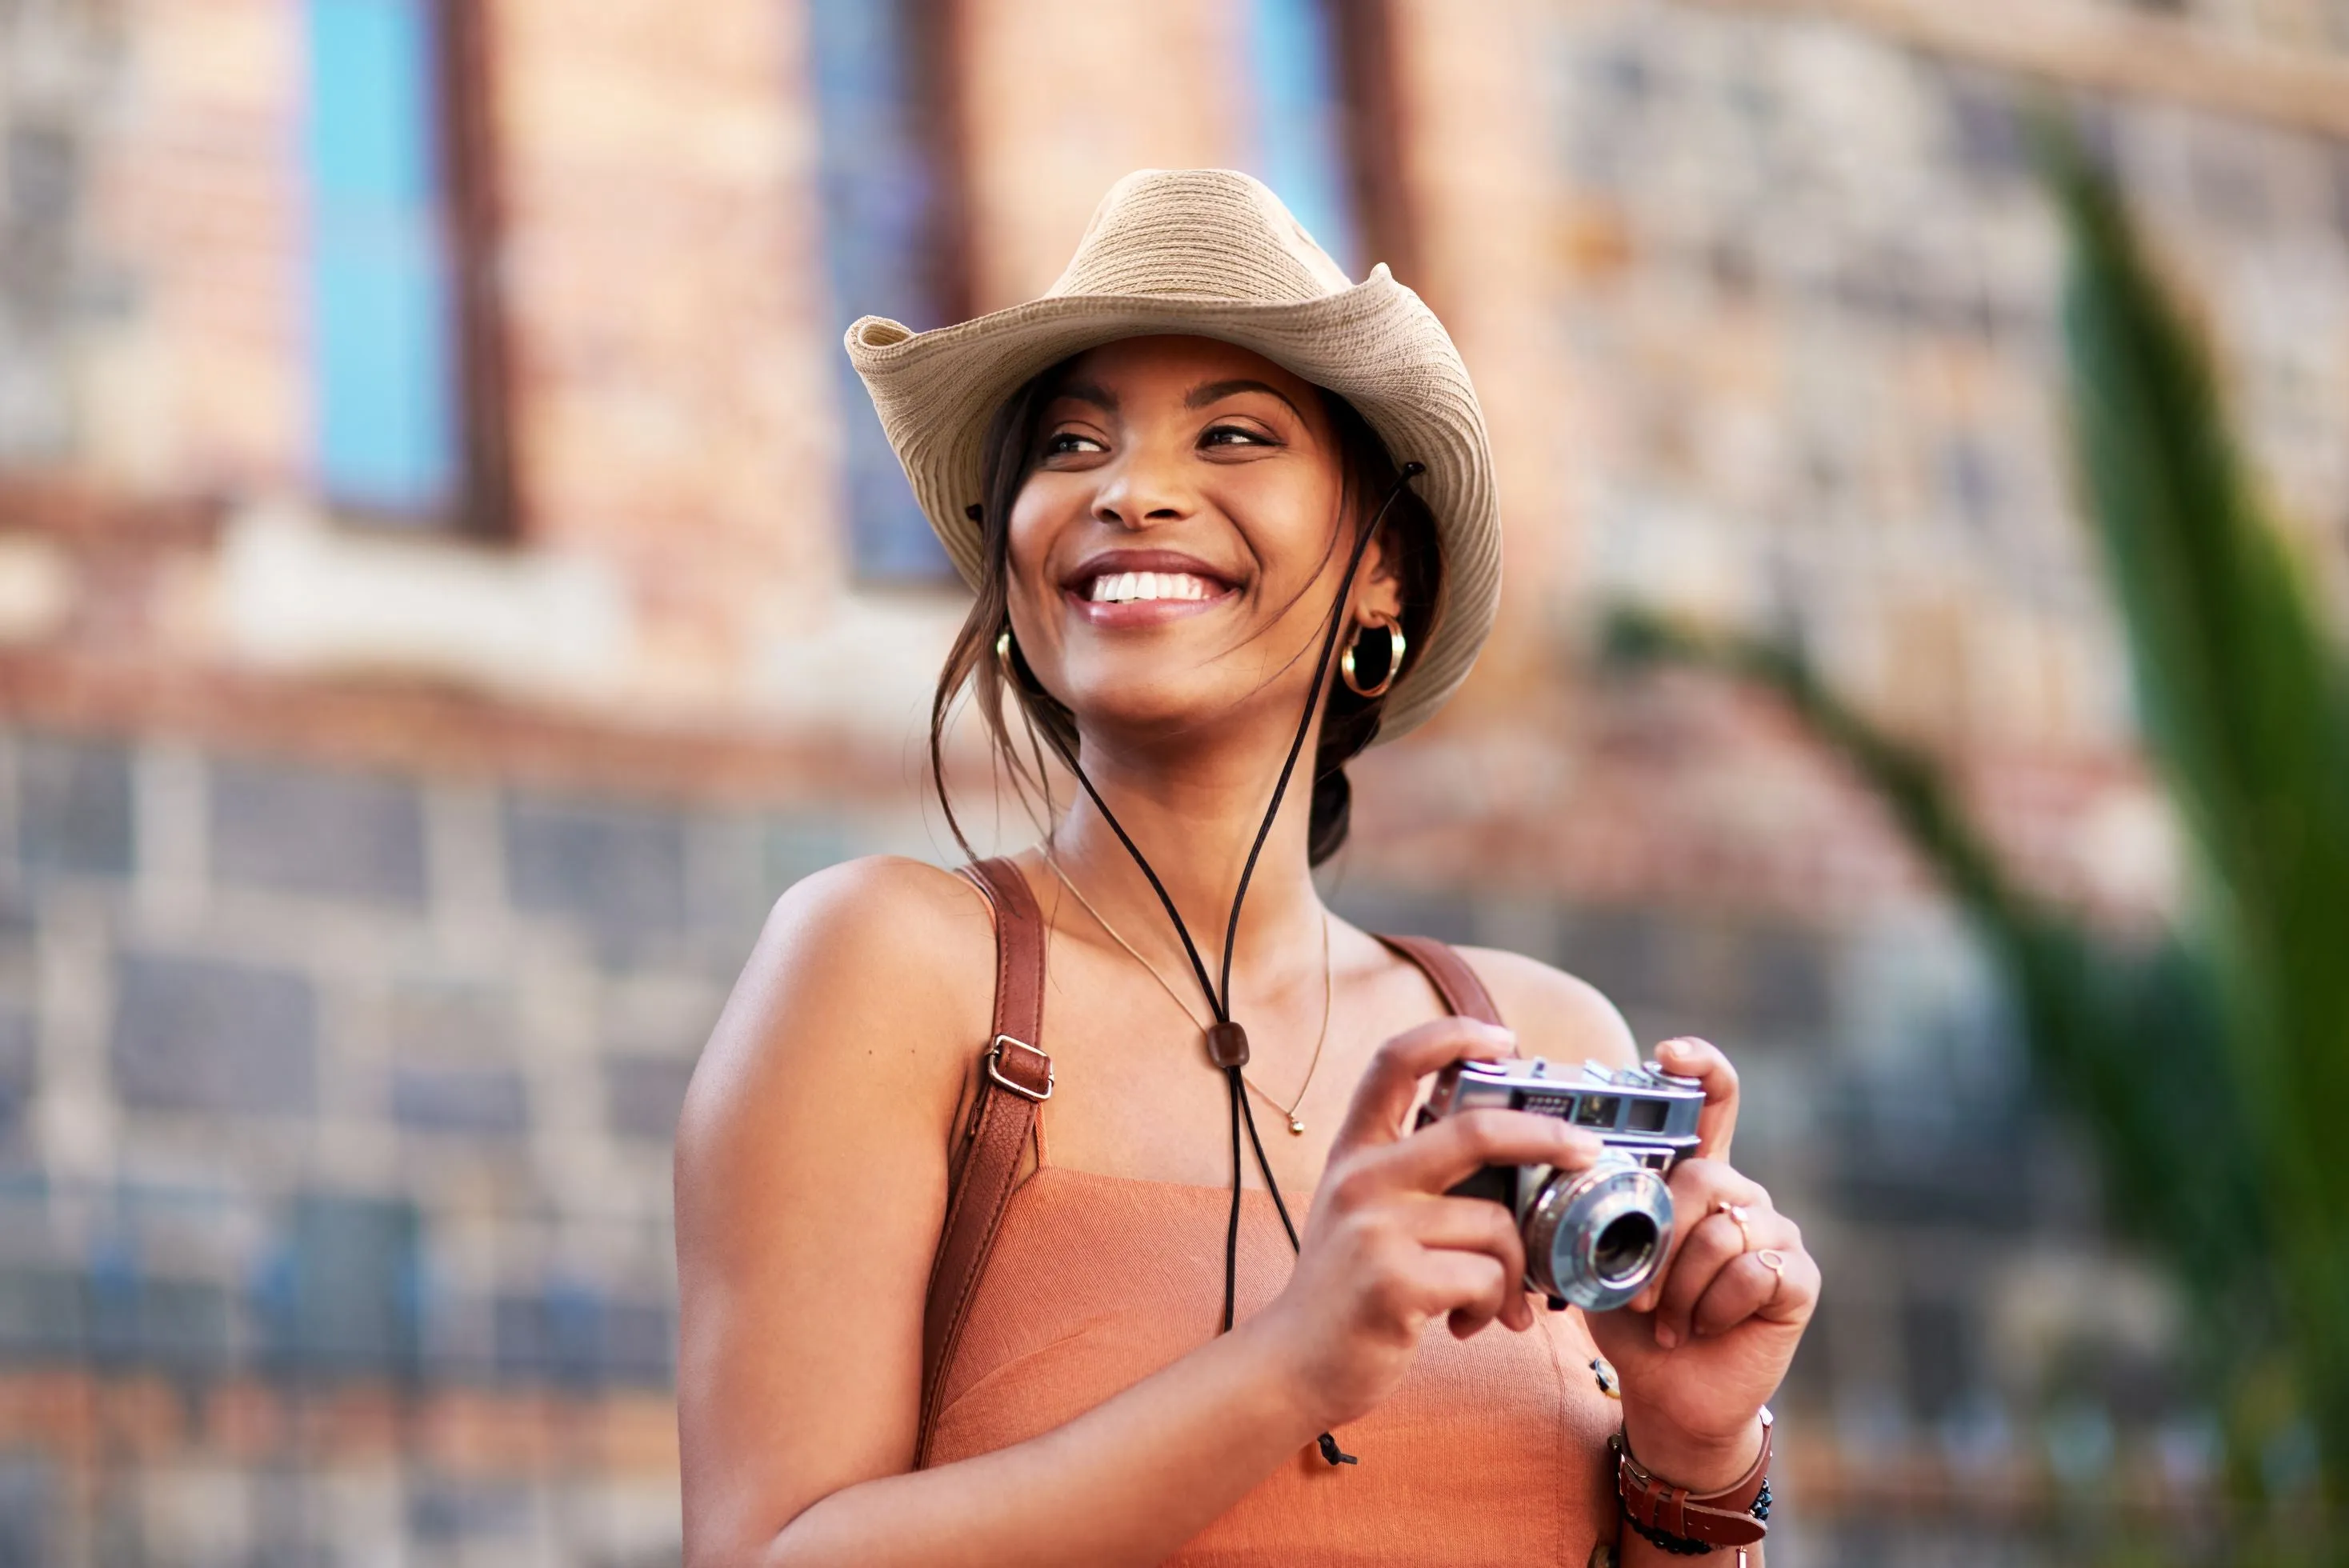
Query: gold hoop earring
[(1003, 659), (1395, 649)]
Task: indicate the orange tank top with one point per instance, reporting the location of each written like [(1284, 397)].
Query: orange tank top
[(1493, 1450)]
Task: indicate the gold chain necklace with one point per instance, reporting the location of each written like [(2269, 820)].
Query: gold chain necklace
[(1328, 989)]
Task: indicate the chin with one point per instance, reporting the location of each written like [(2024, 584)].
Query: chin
[(1124, 710), (1154, 704)]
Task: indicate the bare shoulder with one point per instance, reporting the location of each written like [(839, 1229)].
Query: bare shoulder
[(883, 918), (1554, 1014), (811, 1185), (880, 968)]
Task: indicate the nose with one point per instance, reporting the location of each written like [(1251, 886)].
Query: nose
[(1140, 489)]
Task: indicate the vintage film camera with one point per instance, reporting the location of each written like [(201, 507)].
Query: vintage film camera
[(1593, 1237)]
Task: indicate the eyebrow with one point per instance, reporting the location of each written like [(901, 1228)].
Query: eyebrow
[(1209, 392), (1093, 392)]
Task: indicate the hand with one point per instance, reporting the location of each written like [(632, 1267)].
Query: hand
[(1386, 1251), (1708, 1340)]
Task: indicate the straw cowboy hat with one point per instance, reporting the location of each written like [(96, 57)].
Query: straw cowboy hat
[(1210, 252)]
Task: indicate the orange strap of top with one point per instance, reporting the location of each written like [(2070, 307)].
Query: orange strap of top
[(1015, 1077)]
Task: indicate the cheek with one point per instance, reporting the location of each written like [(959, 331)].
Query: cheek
[(1040, 515), (1291, 522), (1037, 517)]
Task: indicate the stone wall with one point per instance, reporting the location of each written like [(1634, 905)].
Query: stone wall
[(58, 64), (333, 1090), (1839, 244)]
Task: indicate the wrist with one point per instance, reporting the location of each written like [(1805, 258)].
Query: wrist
[(1289, 1400), (1698, 1462)]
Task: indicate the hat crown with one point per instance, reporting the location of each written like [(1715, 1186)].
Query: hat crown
[(1199, 233)]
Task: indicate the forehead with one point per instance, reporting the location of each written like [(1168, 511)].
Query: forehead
[(1175, 364)]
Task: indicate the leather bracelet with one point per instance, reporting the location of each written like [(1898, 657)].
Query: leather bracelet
[(1691, 1524)]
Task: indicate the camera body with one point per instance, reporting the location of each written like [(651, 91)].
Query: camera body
[(1594, 1237)]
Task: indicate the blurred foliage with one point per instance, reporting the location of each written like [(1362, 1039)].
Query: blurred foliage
[(2209, 1066)]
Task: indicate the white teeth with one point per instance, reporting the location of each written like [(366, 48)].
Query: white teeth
[(1128, 587)]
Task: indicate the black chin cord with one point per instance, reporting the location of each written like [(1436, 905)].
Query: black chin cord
[(1227, 1045)]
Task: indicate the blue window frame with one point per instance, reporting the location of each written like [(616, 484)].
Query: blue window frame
[(386, 357), (1297, 140), (890, 248)]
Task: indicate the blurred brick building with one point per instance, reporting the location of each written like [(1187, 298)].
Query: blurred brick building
[(448, 584)]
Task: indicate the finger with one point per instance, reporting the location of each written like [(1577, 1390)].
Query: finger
[(1798, 1295), (1699, 1187), (1734, 1294), (1390, 1082), (1435, 1159), (1709, 1246), (1716, 1124), (1467, 1289), (1466, 1224), (1750, 1288), (1476, 1224)]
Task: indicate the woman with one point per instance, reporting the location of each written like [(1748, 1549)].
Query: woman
[(1174, 482)]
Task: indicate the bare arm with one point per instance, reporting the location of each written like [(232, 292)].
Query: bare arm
[(811, 1187), (1128, 1481)]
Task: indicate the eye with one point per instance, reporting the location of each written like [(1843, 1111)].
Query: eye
[(1234, 436), (1070, 443)]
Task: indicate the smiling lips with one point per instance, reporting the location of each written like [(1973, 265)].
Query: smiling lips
[(1144, 588), (1129, 587)]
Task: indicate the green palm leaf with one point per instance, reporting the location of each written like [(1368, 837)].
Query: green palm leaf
[(2245, 710), (2212, 1068)]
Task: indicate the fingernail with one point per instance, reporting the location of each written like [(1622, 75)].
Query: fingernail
[(1665, 1338)]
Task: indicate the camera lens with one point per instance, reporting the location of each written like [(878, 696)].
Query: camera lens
[(1623, 1249), (1594, 1236)]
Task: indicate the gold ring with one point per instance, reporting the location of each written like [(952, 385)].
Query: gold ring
[(1736, 1211), (1774, 1262)]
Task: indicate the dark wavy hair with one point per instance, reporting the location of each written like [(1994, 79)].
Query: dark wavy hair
[(1349, 722)]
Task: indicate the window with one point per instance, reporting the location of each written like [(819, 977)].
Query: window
[(1322, 129), (891, 235), (341, 1293), (402, 354)]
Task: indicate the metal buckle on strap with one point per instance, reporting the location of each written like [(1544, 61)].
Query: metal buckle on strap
[(995, 1070)]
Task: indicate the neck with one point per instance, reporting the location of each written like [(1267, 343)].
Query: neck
[(1194, 810)]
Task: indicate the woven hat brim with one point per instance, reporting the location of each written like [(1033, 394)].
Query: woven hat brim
[(1376, 344)]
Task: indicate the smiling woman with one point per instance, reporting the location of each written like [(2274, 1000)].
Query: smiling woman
[(1223, 512), (1286, 454)]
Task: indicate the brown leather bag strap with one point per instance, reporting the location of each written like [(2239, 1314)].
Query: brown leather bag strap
[(1015, 1077), (1454, 982)]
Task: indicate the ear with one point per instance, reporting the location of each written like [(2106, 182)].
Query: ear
[(1378, 585)]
